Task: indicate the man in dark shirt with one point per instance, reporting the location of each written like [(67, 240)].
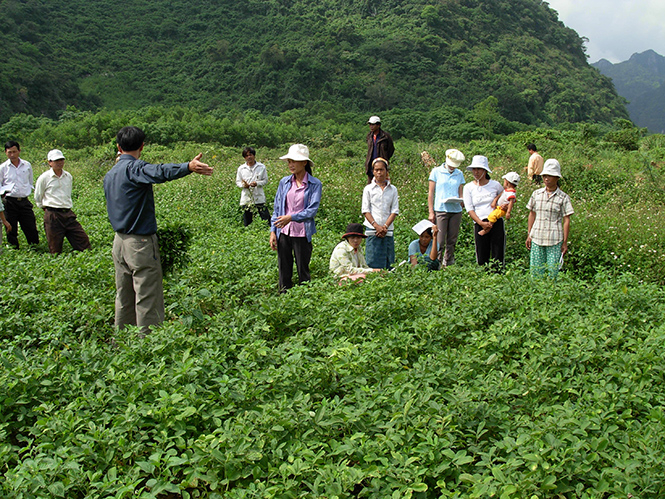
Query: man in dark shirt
[(130, 204), (379, 145)]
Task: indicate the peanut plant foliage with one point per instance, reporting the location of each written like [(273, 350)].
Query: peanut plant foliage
[(450, 384)]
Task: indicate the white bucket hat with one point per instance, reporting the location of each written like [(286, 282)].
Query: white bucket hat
[(512, 177), (298, 152), (552, 168), (55, 155), (373, 120), (479, 162), (454, 158)]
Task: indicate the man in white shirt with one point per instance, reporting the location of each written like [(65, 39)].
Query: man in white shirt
[(15, 187), (53, 193)]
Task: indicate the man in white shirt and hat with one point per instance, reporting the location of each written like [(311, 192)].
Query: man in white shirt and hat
[(53, 193)]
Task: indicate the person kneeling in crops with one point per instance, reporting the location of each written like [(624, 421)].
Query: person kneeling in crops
[(347, 260), (549, 223), (422, 251), (130, 204)]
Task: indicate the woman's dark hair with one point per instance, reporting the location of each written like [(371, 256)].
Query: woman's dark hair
[(308, 167), (248, 150), (428, 230)]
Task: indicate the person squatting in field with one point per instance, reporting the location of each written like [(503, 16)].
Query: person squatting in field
[(130, 204), (347, 260), (292, 224), (53, 193)]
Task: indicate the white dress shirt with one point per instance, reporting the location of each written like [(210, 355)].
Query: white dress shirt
[(16, 181), (52, 191)]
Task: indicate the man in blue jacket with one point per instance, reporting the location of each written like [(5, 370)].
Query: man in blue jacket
[(130, 204)]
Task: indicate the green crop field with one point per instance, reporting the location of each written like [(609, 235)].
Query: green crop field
[(458, 383)]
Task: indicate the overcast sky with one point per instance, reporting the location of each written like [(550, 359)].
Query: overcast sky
[(616, 29)]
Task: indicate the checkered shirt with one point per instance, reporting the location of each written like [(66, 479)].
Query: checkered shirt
[(547, 229)]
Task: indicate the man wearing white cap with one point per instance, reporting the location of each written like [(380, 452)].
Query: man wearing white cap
[(379, 145), (53, 193)]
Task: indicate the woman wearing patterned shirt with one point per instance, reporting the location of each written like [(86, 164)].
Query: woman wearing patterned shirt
[(549, 223)]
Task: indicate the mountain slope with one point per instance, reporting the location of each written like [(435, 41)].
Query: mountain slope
[(274, 55), (640, 80)]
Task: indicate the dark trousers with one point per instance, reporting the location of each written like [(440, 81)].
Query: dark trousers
[(61, 223), (491, 246), (289, 248), (18, 211), (250, 209)]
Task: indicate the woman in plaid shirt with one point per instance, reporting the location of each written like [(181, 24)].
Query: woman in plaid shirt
[(549, 223)]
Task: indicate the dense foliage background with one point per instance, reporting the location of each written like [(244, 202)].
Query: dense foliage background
[(457, 383), (276, 55)]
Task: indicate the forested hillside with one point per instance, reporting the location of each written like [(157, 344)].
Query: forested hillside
[(275, 55), (640, 80)]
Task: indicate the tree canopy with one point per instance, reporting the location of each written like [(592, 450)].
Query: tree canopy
[(276, 55)]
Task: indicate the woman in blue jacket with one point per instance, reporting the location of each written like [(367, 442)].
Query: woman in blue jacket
[(292, 223)]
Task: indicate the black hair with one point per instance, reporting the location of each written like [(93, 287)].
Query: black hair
[(248, 150), (12, 143), (428, 230), (385, 162), (308, 167), (531, 147), (130, 138)]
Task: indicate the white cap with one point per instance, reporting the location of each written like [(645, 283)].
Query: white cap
[(552, 168), (55, 155), (512, 177), (373, 120), (454, 158)]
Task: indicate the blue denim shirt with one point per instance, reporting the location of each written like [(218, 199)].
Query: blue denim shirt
[(312, 200)]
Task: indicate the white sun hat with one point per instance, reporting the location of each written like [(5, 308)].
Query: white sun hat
[(479, 162), (298, 152), (552, 168)]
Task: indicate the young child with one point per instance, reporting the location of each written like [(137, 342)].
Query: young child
[(251, 177), (347, 260), (507, 197)]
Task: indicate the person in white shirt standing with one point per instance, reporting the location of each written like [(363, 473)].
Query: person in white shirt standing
[(16, 183), (380, 207), (251, 178), (53, 193)]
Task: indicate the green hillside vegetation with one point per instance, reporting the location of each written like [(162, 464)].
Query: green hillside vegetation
[(640, 80), (451, 384), (274, 56)]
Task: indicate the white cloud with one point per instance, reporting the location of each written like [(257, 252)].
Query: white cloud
[(616, 29)]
